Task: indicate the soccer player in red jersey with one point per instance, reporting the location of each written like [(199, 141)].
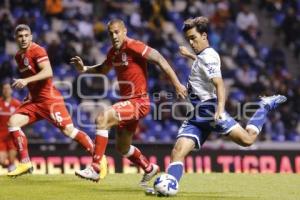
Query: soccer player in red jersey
[(129, 59), (44, 102), (8, 105)]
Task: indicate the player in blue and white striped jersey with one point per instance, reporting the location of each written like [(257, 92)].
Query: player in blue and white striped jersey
[(207, 94)]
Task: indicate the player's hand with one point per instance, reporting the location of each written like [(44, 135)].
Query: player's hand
[(184, 51), (77, 61), (181, 91), (219, 115), (19, 83)]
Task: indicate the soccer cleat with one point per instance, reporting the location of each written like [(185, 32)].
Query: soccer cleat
[(103, 167), (148, 176), (21, 169), (273, 101), (149, 191), (88, 173), (11, 167)]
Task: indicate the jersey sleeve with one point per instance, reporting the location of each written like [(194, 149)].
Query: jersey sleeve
[(139, 48), (40, 55), (211, 66)]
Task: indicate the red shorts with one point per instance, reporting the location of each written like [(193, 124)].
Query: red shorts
[(130, 111), (53, 111), (6, 141)]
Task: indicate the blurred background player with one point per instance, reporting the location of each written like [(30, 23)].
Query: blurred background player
[(129, 59), (8, 105), (206, 92), (44, 100)]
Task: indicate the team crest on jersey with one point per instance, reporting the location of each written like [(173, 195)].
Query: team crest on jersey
[(124, 59), (26, 64), (26, 61)]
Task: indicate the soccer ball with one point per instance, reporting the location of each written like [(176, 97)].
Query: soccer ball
[(166, 185)]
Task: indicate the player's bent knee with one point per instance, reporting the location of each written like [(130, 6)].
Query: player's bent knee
[(68, 130), (100, 118), (246, 143), (105, 120), (13, 121), (101, 121), (18, 120)]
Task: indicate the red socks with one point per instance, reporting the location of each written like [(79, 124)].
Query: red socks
[(136, 157), (85, 141), (21, 143), (101, 141)]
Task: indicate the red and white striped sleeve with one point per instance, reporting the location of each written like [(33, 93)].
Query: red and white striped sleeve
[(139, 48), (41, 55)]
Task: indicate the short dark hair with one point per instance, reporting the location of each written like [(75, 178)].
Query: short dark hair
[(201, 24), (22, 27)]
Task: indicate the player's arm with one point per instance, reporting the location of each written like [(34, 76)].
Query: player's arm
[(155, 57), (94, 69), (220, 90), (186, 53), (45, 72)]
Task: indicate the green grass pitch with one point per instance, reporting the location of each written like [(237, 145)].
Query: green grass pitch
[(125, 187)]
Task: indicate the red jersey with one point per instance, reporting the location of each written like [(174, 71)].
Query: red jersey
[(6, 110), (130, 64), (28, 66)]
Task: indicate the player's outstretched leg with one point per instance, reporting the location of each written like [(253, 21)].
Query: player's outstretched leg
[(273, 101), (267, 104)]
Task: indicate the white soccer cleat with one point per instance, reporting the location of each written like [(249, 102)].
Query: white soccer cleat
[(88, 173), (273, 101), (148, 176)]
